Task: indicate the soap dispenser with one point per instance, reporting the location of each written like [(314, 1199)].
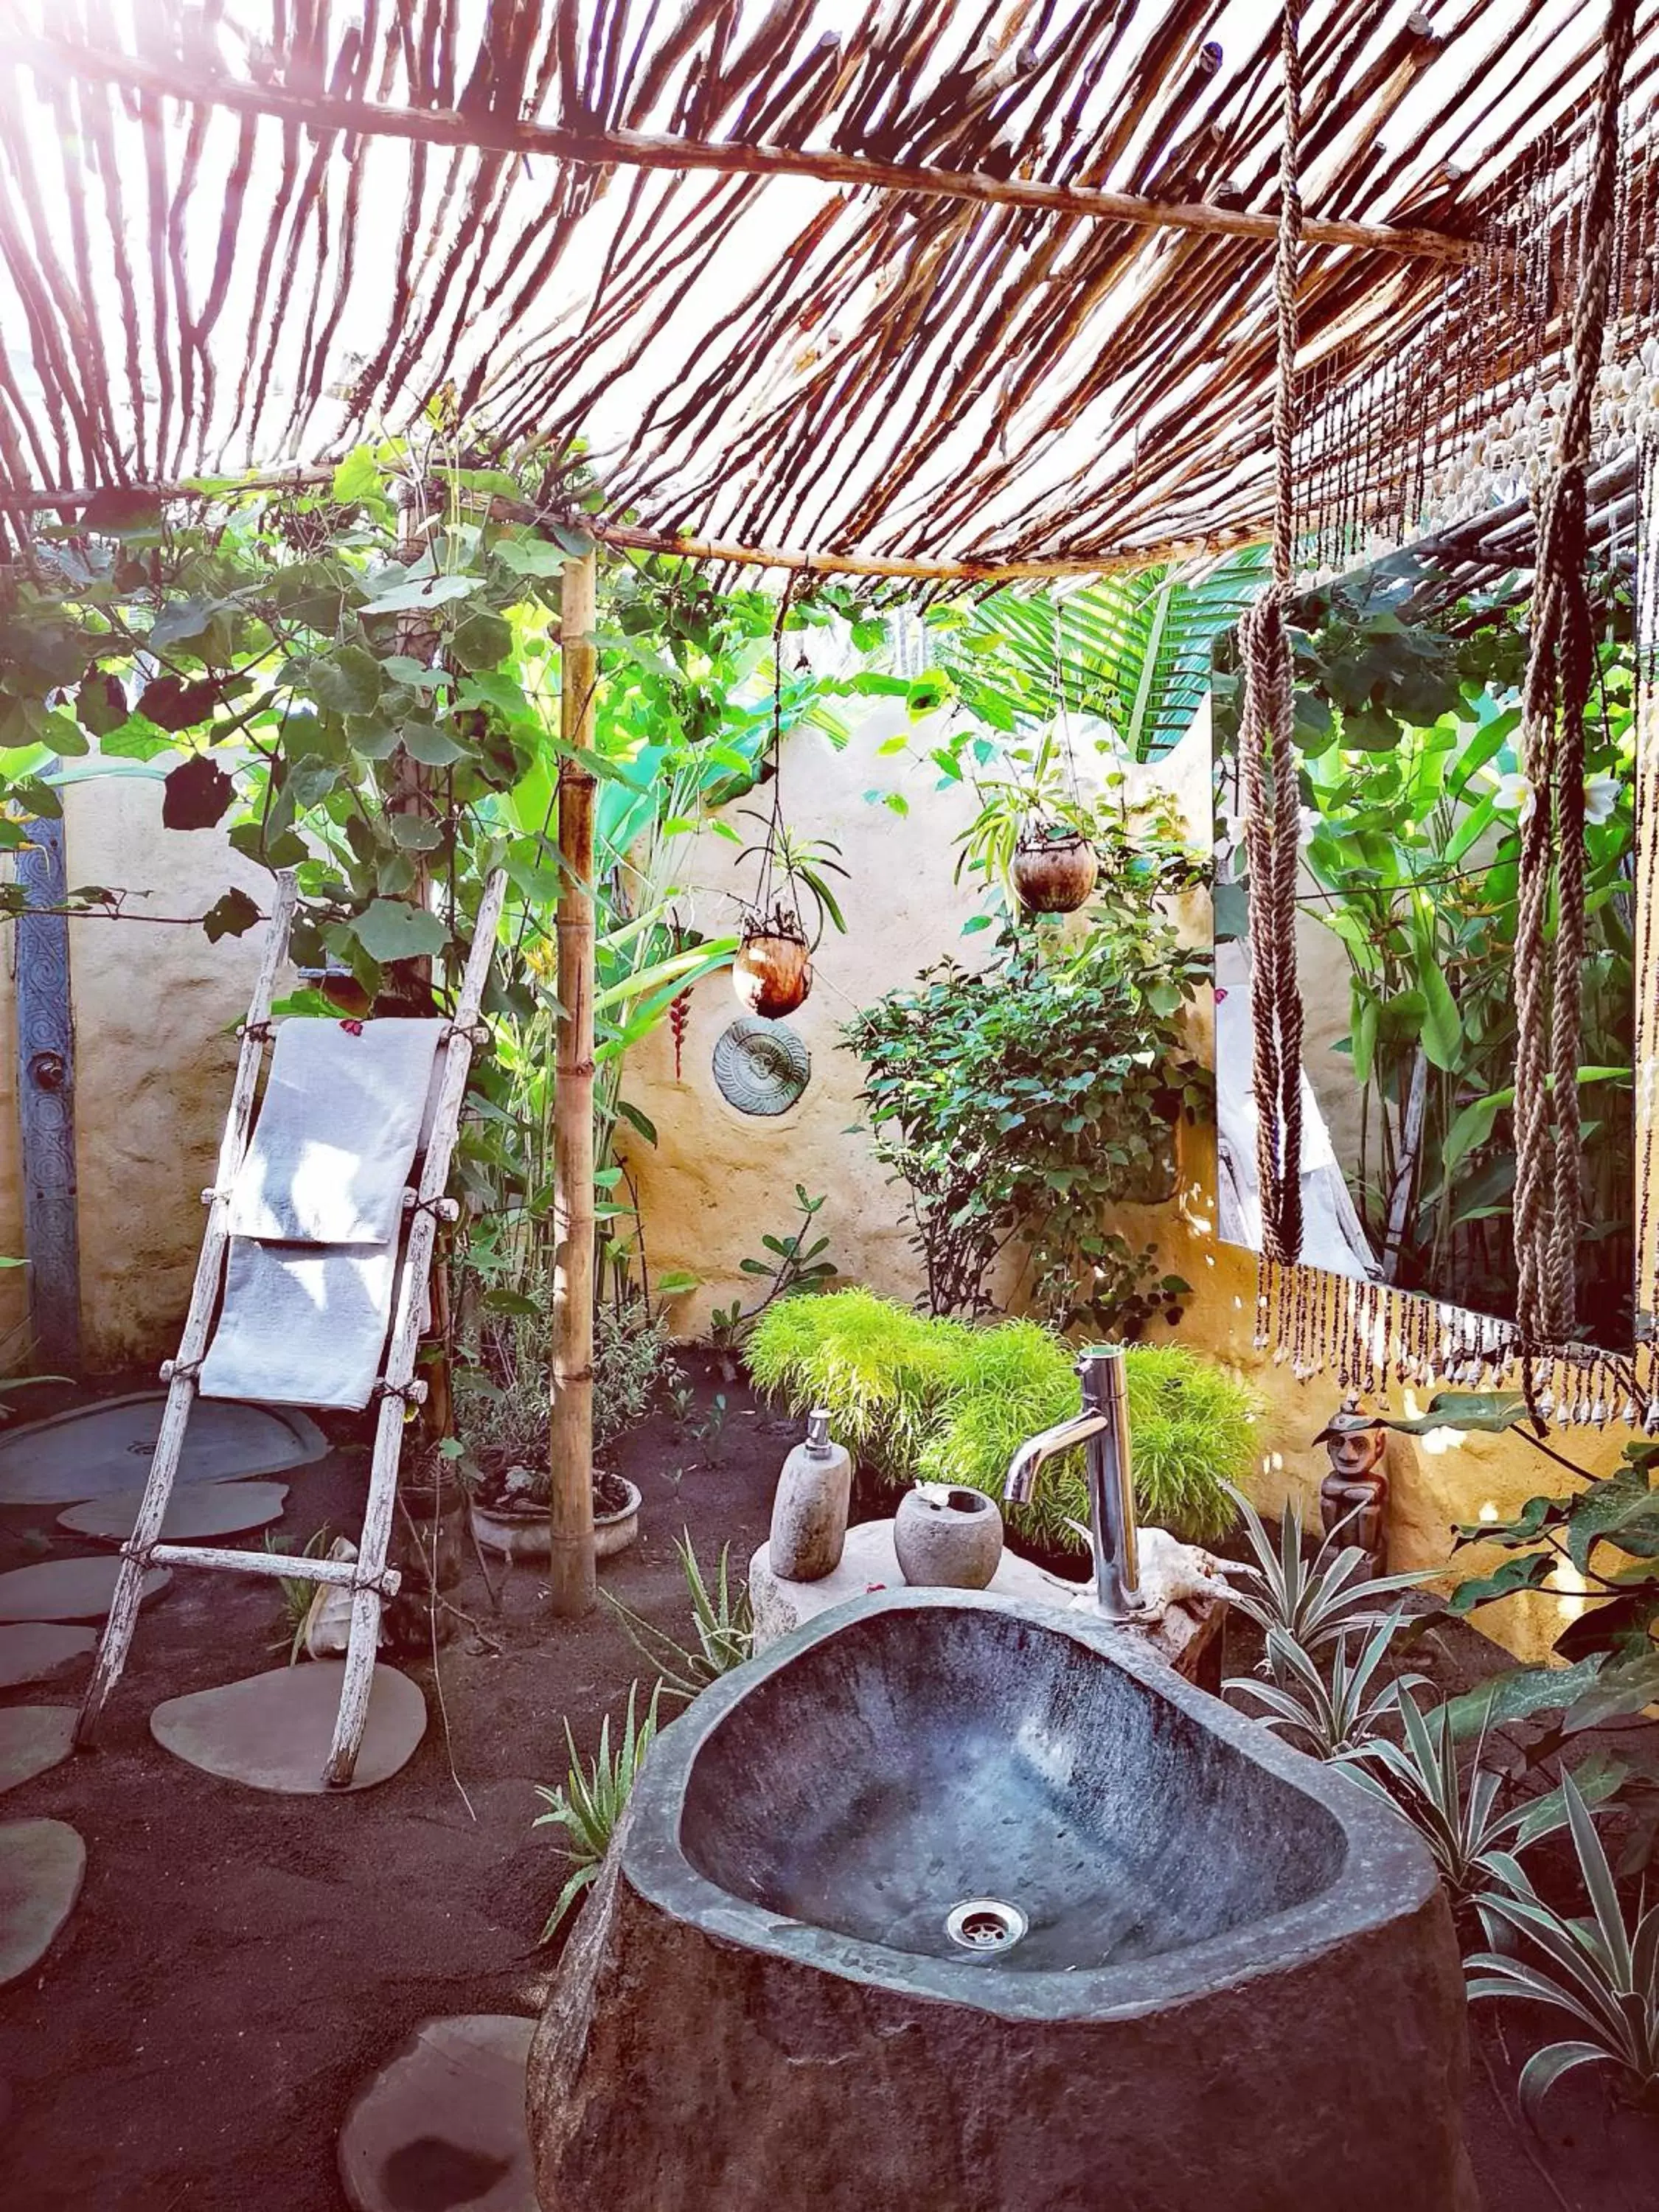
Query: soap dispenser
[(809, 1511)]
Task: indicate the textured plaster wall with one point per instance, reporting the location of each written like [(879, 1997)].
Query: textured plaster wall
[(154, 1007), (718, 1179)]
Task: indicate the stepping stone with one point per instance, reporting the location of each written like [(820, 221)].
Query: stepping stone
[(273, 1730), (32, 1650), (92, 1450), (442, 2126), (195, 1514), (69, 1590), (41, 1866), (32, 1739)]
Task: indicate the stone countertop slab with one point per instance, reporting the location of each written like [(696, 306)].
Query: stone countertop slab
[(870, 1562)]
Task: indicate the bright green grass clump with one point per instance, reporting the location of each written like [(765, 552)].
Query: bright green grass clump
[(952, 1403)]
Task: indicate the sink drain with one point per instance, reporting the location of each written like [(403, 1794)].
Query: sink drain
[(985, 1923)]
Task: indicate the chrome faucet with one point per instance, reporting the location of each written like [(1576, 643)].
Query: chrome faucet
[(1102, 1426)]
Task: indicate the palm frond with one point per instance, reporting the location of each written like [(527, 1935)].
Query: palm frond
[(1134, 650)]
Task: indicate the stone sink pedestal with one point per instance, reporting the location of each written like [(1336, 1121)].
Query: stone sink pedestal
[(962, 1904)]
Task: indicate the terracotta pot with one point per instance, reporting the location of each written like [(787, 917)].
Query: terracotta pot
[(524, 1532), (947, 1537), (772, 974), (1055, 875)]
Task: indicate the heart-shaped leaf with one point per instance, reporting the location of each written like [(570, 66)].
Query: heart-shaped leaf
[(196, 794), (345, 682), (390, 929), (482, 641), (431, 746), (232, 915)]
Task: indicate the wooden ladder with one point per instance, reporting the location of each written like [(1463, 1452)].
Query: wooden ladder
[(368, 1576)]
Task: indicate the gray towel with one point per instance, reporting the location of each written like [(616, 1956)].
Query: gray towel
[(300, 1327), (335, 1142)]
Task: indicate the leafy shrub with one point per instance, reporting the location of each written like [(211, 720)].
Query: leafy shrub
[(1020, 1104), (501, 1403), (914, 1397)]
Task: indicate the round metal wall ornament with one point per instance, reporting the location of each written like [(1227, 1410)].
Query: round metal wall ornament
[(760, 1066)]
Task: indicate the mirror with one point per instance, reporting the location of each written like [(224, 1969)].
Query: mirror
[(1408, 675)]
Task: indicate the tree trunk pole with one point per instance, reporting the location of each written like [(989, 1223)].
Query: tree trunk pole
[(571, 1577)]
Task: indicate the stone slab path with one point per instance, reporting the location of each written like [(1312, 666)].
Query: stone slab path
[(442, 2124), (272, 1731), (69, 1590)]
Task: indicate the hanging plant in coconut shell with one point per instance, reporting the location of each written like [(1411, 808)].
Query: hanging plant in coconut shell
[(1055, 867), (772, 973)]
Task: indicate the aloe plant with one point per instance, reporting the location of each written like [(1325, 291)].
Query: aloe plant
[(1599, 1971), (1314, 1601), (589, 1802), (722, 1621), (1335, 1716)]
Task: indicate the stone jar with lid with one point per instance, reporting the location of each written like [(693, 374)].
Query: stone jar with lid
[(809, 1510)]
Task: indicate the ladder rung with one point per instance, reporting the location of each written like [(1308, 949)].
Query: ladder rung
[(346, 1574)]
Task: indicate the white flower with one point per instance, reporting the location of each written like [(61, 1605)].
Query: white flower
[(1307, 828), (1601, 797), (1514, 795)]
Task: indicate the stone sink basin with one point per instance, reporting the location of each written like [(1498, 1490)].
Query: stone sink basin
[(948, 1901)]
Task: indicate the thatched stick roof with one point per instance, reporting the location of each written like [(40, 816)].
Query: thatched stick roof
[(918, 284)]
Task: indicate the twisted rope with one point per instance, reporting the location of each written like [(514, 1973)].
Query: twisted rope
[(1560, 671), (1266, 746)]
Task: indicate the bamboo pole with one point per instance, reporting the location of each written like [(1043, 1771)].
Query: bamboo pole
[(507, 134), (627, 537), (571, 1580)]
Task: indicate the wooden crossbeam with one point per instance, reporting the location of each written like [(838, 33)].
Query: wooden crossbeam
[(506, 134)]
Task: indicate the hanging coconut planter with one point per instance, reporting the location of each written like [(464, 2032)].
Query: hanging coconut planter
[(772, 973), (1054, 868)]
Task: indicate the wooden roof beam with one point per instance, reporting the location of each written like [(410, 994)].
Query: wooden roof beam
[(639, 150)]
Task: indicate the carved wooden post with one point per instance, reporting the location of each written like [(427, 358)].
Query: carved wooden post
[(571, 1577)]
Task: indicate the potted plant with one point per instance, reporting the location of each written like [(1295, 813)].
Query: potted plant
[(1055, 867), (509, 1513), (772, 972), (501, 1411)]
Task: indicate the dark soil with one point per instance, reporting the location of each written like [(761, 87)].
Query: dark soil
[(239, 1963)]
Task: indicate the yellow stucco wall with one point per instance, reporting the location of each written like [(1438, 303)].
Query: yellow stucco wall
[(718, 1179), (154, 1006)]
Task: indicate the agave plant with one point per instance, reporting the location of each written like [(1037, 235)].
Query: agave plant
[(590, 1803), (723, 1626), (1314, 1601), (1599, 1971), (1334, 1716), (1472, 1844)]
